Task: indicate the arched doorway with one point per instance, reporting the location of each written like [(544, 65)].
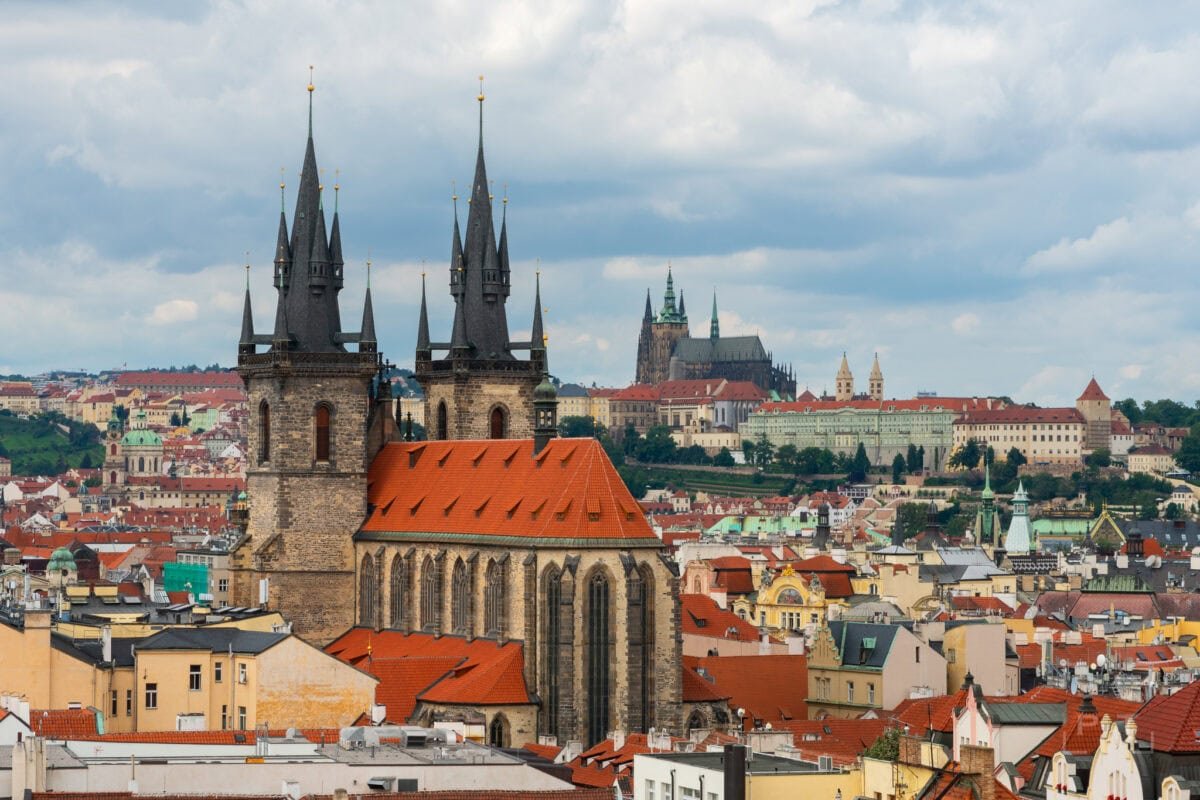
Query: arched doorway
[(496, 423), (441, 421)]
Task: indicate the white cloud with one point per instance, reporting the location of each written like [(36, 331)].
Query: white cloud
[(173, 312), (965, 323), (1131, 371)]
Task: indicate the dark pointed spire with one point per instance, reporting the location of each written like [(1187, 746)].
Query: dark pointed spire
[(310, 94), (682, 307), (714, 328), (335, 243), (280, 339), (460, 347), (502, 254), (537, 338), (246, 342), (648, 316), (367, 342), (423, 325), (457, 275)]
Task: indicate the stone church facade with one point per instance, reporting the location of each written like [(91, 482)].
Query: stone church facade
[(667, 351), (482, 535)]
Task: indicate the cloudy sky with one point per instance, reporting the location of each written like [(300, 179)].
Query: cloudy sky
[(996, 197)]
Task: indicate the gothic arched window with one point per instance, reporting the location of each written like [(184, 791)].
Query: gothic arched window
[(644, 680), (494, 599), (399, 593), (597, 658), (498, 731), (552, 642), (431, 596), (442, 424), (496, 423), (264, 432), (460, 599), (321, 431), (368, 581)]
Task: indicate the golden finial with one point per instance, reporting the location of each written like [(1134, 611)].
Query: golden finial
[(505, 201), (368, 268), (491, 193), (481, 88), (282, 186), (454, 190), (247, 270), (310, 78)]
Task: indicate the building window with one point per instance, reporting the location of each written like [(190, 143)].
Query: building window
[(368, 581), (442, 424), (496, 423), (194, 678), (871, 693), (223, 584), (242, 678), (112, 703), (321, 425), (917, 651), (498, 732), (649, 789), (129, 702), (431, 596), (241, 718), (151, 696), (553, 644), (951, 656), (264, 432), (218, 669), (494, 600), (850, 692), (399, 592), (597, 658), (224, 717)]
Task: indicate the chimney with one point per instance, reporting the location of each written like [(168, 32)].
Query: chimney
[(378, 714), (106, 644), (980, 764), (735, 771), (341, 794), (291, 790), (764, 643), (618, 739)]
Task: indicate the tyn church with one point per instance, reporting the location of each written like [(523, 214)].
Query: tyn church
[(502, 533)]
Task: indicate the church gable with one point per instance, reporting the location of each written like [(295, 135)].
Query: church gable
[(569, 494)]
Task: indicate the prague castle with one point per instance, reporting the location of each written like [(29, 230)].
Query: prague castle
[(667, 350), (499, 533)]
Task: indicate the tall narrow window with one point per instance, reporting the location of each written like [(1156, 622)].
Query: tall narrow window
[(321, 420), (442, 424), (399, 593), (367, 582), (597, 627), (498, 732), (553, 642), (497, 423), (494, 600), (264, 432), (431, 596), (460, 599)]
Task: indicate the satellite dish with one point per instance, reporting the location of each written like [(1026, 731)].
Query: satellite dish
[(1101, 660)]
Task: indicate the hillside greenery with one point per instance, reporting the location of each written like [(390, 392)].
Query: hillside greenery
[(48, 444)]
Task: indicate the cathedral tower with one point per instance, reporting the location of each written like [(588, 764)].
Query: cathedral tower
[(656, 344), (845, 382), (875, 382), (311, 405), (479, 389)]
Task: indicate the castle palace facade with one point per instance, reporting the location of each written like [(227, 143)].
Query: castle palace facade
[(667, 350), (504, 534)]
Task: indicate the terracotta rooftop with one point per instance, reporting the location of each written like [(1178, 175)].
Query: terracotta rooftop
[(1020, 415), (1170, 722), (770, 688), (701, 616), (441, 490), (1093, 392)]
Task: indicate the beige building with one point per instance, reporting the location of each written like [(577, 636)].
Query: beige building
[(1042, 435), (600, 405), (855, 667), (19, 398), (978, 648), (1151, 459)]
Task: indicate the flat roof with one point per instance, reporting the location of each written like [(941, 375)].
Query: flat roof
[(756, 764)]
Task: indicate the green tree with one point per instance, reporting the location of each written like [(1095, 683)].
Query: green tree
[(787, 457), (910, 518), (1189, 450), (1172, 511), (1098, 458), (860, 466), (1130, 409), (1016, 457), (920, 459), (86, 461), (657, 447), (764, 451), (630, 439), (724, 458), (815, 461), (967, 456), (886, 747), (579, 427), (748, 454), (898, 467), (911, 458), (175, 421)]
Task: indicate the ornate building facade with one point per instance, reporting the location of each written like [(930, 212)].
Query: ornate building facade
[(667, 351), (479, 368)]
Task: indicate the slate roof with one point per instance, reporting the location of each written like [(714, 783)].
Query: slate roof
[(863, 644), (726, 348), (216, 640), (455, 490)]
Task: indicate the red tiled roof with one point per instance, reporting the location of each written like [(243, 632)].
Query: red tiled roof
[(821, 564), (443, 669), (690, 389), (770, 688), (569, 491), (987, 604), (62, 723), (740, 390), (843, 740), (836, 584), (546, 751), (929, 404), (921, 715), (148, 378), (701, 616), (1093, 392), (1170, 722), (638, 391), (1151, 450), (1020, 414), (698, 689)]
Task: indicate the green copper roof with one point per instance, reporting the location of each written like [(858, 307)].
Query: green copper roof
[(141, 437), (60, 559)]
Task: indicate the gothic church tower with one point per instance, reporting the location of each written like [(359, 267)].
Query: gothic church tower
[(844, 383), (311, 406), (479, 389), (875, 382)]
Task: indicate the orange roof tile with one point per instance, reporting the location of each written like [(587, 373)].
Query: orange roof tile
[(770, 688), (1170, 722), (1093, 392), (500, 488), (62, 723), (701, 616)]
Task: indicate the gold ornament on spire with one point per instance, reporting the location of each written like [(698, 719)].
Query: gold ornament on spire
[(481, 88), (310, 78)]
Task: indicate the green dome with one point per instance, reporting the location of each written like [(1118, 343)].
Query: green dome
[(142, 437), (60, 559), (545, 390)]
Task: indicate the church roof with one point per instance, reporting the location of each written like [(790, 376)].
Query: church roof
[(1093, 392), (726, 348), (568, 494)]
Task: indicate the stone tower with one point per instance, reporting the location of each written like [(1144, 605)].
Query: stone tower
[(1096, 409), (479, 389), (875, 382), (845, 382), (311, 406), (659, 335), (114, 459)]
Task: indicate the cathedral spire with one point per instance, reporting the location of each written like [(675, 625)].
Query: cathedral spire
[(714, 328), (537, 339), (367, 342), (246, 342), (682, 307), (648, 315), (669, 312), (423, 325)]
